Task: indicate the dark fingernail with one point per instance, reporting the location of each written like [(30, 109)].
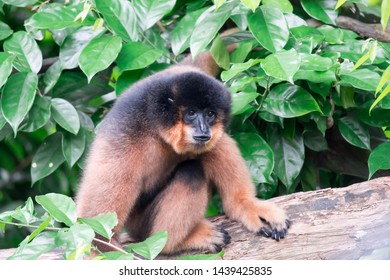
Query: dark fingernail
[(264, 232)]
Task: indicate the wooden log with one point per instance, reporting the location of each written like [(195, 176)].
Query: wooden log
[(344, 223)]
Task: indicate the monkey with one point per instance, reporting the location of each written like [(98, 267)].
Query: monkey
[(158, 152)]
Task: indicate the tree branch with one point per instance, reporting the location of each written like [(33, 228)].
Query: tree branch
[(369, 30)]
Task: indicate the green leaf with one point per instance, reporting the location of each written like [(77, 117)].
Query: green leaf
[(135, 55), (377, 117), (381, 96), (65, 115), (75, 238), (354, 132), (289, 155), (238, 68), (251, 4), (283, 5), (5, 67), (269, 27), (121, 17), (289, 101), (332, 35), (28, 54), (74, 87), (347, 97), (361, 61), (38, 115), (39, 229), (219, 3), (180, 36), (240, 100), (207, 26), (126, 79), (52, 75), (54, 16), (151, 247), (5, 31), (307, 34), (326, 77), (219, 52), (340, 3), (350, 50), (257, 154), (41, 244), (151, 11), (99, 54), (361, 78), (102, 223), (241, 52), (73, 146), (315, 62), (61, 207), (315, 140), (282, 65), (47, 158), (19, 3), (26, 213), (18, 97), (385, 13), (379, 158), (118, 256), (384, 78), (73, 45), (206, 257), (3, 121), (322, 10)]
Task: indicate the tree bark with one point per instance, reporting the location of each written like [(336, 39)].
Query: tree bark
[(344, 223)]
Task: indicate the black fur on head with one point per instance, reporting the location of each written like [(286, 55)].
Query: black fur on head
[(188, 90), (156, 102)]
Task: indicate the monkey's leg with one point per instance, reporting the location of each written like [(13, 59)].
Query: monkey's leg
[(225, 167), (179, 210)]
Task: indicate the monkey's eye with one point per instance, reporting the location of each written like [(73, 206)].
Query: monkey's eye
[(190, 116), (191, 113), (211, 114)]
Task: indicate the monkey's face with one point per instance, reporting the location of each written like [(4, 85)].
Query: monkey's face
[(197, 131), (194, 110)]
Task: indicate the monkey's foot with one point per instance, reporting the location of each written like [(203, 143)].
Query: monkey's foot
[(205, 236)]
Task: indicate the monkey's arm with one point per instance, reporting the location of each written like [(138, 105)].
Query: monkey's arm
[(225, 167)]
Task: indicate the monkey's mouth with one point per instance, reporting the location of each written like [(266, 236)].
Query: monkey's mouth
[(201, 139)]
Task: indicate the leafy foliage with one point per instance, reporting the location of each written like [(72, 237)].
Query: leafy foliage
[(294, 87), (76, 237)]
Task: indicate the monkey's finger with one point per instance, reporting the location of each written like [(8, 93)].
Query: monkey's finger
[(217, 248), (226, 236), (264, 232)]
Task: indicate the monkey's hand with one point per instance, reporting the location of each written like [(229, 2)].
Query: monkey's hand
[(264, 218), (275, 220)]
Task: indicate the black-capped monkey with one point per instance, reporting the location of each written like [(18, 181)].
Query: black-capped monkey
[(158, 151)]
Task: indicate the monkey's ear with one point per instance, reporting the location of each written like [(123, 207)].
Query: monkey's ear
[(170, 100)]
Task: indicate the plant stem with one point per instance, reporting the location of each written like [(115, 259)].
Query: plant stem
[(30, 226), (264, 96)]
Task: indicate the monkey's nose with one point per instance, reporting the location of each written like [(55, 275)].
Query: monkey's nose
[(201, 138)]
